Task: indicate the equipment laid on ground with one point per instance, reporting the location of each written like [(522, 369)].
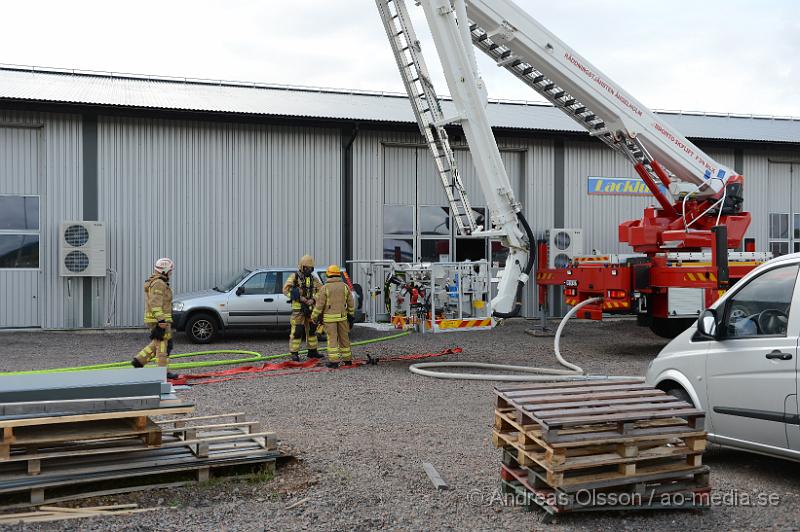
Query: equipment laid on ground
[(74, 435), (436, 297), (699, 201), (600, 445)]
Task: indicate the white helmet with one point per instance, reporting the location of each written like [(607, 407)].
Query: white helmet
[(164, 265)]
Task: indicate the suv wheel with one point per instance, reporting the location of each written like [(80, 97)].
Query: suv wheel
[(201, 328)]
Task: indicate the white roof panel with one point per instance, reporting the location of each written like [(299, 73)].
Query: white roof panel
[(254, 99)]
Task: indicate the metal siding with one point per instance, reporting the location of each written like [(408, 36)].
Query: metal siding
[(758, 189), (598, 216), (215, 198), (59, 170), (381, 157)]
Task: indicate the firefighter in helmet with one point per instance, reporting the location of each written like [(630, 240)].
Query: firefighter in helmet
[(158, 316), (301, 288), (336, 307)]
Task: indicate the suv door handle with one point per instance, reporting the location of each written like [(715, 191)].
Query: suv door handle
[(268, 300), (779, 355)]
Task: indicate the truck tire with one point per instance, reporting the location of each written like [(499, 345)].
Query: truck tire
[(670, 327), (202, 328)]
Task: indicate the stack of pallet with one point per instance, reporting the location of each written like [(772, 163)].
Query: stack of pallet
[(83, 440), (600, 445)]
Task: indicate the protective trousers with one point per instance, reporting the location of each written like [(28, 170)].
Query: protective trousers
[(157, 348), (338, 341), (300, 330)]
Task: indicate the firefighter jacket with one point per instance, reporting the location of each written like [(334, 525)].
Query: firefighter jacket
[(309, 285), (334, 302), (157, 300)]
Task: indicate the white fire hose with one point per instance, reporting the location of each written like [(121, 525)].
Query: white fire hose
[(532, 373)]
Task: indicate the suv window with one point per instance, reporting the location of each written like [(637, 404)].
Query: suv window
[(261, 283), (762, 307)]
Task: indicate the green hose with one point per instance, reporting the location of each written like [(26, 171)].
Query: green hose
[(252, 356)]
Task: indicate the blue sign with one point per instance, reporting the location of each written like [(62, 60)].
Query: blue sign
[(618, 186)]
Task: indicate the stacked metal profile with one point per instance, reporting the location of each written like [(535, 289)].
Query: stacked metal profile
[(72, 435), (600, 445)]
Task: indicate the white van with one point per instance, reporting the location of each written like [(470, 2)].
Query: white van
[(739, 362)]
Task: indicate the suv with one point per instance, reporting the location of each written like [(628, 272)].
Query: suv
[(251, 299), (739, 362)]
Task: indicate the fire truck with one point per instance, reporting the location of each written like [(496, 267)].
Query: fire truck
[(684, 245)]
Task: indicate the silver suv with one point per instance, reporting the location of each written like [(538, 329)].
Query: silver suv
[(251, 299), (739, 362)]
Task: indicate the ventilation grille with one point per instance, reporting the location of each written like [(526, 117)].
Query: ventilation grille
[(76, 236)]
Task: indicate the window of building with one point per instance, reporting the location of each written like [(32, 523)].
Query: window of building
[(779, 233), (398, 233), (19, 232), (434, 233), (473, 248)]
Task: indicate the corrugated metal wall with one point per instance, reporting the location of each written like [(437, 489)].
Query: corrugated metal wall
[(215, 198), (759, 189), (41, 154)]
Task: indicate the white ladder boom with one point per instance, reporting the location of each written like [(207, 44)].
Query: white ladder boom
[(520, 44), (427, 108)]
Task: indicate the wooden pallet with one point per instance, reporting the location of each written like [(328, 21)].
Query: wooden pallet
[(31, 432), (690, 491), (91, 442), (195, 445), (568, 464), (601, 410)]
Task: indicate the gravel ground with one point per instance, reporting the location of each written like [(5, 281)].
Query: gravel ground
[(360, 437)]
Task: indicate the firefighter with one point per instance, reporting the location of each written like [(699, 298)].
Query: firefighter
[(301, 288), (158, 316), (335, 304)]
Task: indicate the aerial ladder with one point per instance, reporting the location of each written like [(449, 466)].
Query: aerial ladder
[(683, 242)]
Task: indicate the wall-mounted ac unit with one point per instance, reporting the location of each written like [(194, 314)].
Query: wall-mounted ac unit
[(82, 249), (564, 245)]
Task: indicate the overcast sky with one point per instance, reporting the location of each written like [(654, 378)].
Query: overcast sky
[(737, 56)]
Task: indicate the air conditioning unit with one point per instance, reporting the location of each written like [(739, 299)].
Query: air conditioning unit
[(82, 249), (564, 245)]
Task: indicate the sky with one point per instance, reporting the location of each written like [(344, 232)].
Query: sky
[(728, 56)]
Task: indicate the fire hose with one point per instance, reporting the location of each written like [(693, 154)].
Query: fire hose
[(251, 356), (572, 372)]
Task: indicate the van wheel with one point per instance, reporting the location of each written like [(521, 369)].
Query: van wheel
[(201, 328), (680, 393), (670, 327)]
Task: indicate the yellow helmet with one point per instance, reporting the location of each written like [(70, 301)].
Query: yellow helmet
[(306, 261), (333, 271)]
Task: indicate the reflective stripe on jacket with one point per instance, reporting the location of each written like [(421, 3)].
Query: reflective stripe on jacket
[(334, 302), (157, 300)]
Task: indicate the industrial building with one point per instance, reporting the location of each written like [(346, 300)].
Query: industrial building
[(260, 174)]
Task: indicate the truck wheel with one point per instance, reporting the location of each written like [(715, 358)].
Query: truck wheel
[(201, 328), (670, 327)]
